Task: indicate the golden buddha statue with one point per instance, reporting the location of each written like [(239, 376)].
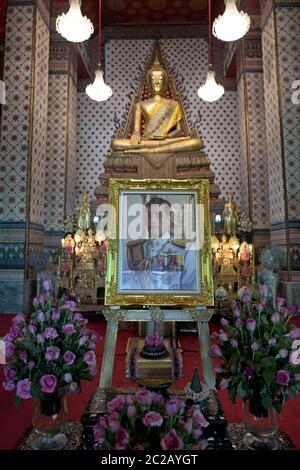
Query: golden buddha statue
[(84, 217), (230, 217), (162, 120)]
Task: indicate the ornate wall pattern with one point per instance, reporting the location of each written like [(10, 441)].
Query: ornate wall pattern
[(276, 188), (125, 62)]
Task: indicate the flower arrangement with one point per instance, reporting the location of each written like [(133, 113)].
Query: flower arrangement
[(221, 294), (255, 351), (145, 420), (244, 224), (154, 339), (50, 351)]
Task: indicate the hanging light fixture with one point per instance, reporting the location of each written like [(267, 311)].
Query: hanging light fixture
[(98, 90), (211, 90), (233, 24), (72, 25)]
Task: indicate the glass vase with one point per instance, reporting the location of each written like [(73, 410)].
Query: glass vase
[(49, 416), (260, 425)]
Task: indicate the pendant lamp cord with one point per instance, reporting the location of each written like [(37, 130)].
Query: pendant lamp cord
[(209, 34), (99, 35)]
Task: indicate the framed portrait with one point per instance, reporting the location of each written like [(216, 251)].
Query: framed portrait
[(158, 243)]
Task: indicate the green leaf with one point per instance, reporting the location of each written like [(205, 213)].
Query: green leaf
[(269, 375), (241, 391)]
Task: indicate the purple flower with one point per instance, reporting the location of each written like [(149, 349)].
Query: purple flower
[(69, 357), (19, 319), (236, 313), (41, 317), (93, 370), (122, 437), (295, 333), (223, 336), (199, 419), (248, 372), (68, 378), (250, 324), (275, 317), (32, 329), (90, 358), (116, 404), (52, 354), (70, 304), (14, 331), (47, 284), (223, 384), (152, 419), (263, 290), (8, 385), (280, 301), (246, 298), (31, 365), (23, 389), (131, 411), (218, 370), (272, 341), (215, 351), (40, 338), (238, 323), (144, 397), (10, 373), (259, 307), (78, 317), (233, 304), (293, 310), (297, 377), (174, 406), (282, 377), (283, 353), (55, 314), (22, 355), (69, 329), (224, 322), (48, 383), (50, 333), (83, 340), (254, 346), (234, 343), (157, 399), (188, 426)]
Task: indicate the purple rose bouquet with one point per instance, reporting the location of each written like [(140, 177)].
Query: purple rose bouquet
[(145, 420), (257, 349), (49, 351)]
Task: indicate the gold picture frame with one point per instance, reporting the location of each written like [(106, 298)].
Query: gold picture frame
[(201, 292)]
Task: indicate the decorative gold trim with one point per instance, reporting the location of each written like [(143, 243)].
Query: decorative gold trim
[(30, 141), (206, 297), (286, 206), (247, 128)]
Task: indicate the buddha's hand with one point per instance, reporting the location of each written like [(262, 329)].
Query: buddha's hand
[(135, 138)]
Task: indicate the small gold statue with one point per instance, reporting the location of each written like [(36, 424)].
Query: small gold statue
[(162, 126), (230, 217), (84, 217)]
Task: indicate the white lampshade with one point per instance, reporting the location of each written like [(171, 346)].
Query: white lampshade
[(98, 90), (232, 25), (211, 90), (72, 25)]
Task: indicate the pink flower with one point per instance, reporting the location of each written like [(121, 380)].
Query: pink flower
[(48, 383), (157, 399), (50, 333), (69, 329), (40, 338), (9, 348), (275, 317), (171, 441), (14, 331), (70, 304), (99, 434), (238, 323), (93, 370), (19, 319), (224, 322), (41, 317), (199, 419), (116, 404), (215, 351), (223, 384), (218, 370), (122, 437), (131, 411), (280, 301), (254, 346), (83, 340), (138, 447), (188, 426), (129, 399), (283, 353), (90, 358), (297, 377), (223, 336), (8, 385), (22, 355), (23, 389), (152, 419), (295, 333), (197, 433), (55, 314), (69, 357), (263, 290), (250, 324), (52, 354), (144, 397), (10, 372), (282, 377), (234, 343), (174, 406), (47, 284), (68, 378), (272, 341), (293, 310)]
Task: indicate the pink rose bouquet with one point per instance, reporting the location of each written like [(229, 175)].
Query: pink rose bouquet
[(50, 351), (145, 420)]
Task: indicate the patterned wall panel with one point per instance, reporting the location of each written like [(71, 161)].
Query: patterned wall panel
[(187, 61), (276, 188), (288, 28), (15, 120), (55, 153), (39, 121), (243, 135), (72, 127)]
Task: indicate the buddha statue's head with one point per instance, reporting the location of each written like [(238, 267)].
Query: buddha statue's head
[(157, 77)]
